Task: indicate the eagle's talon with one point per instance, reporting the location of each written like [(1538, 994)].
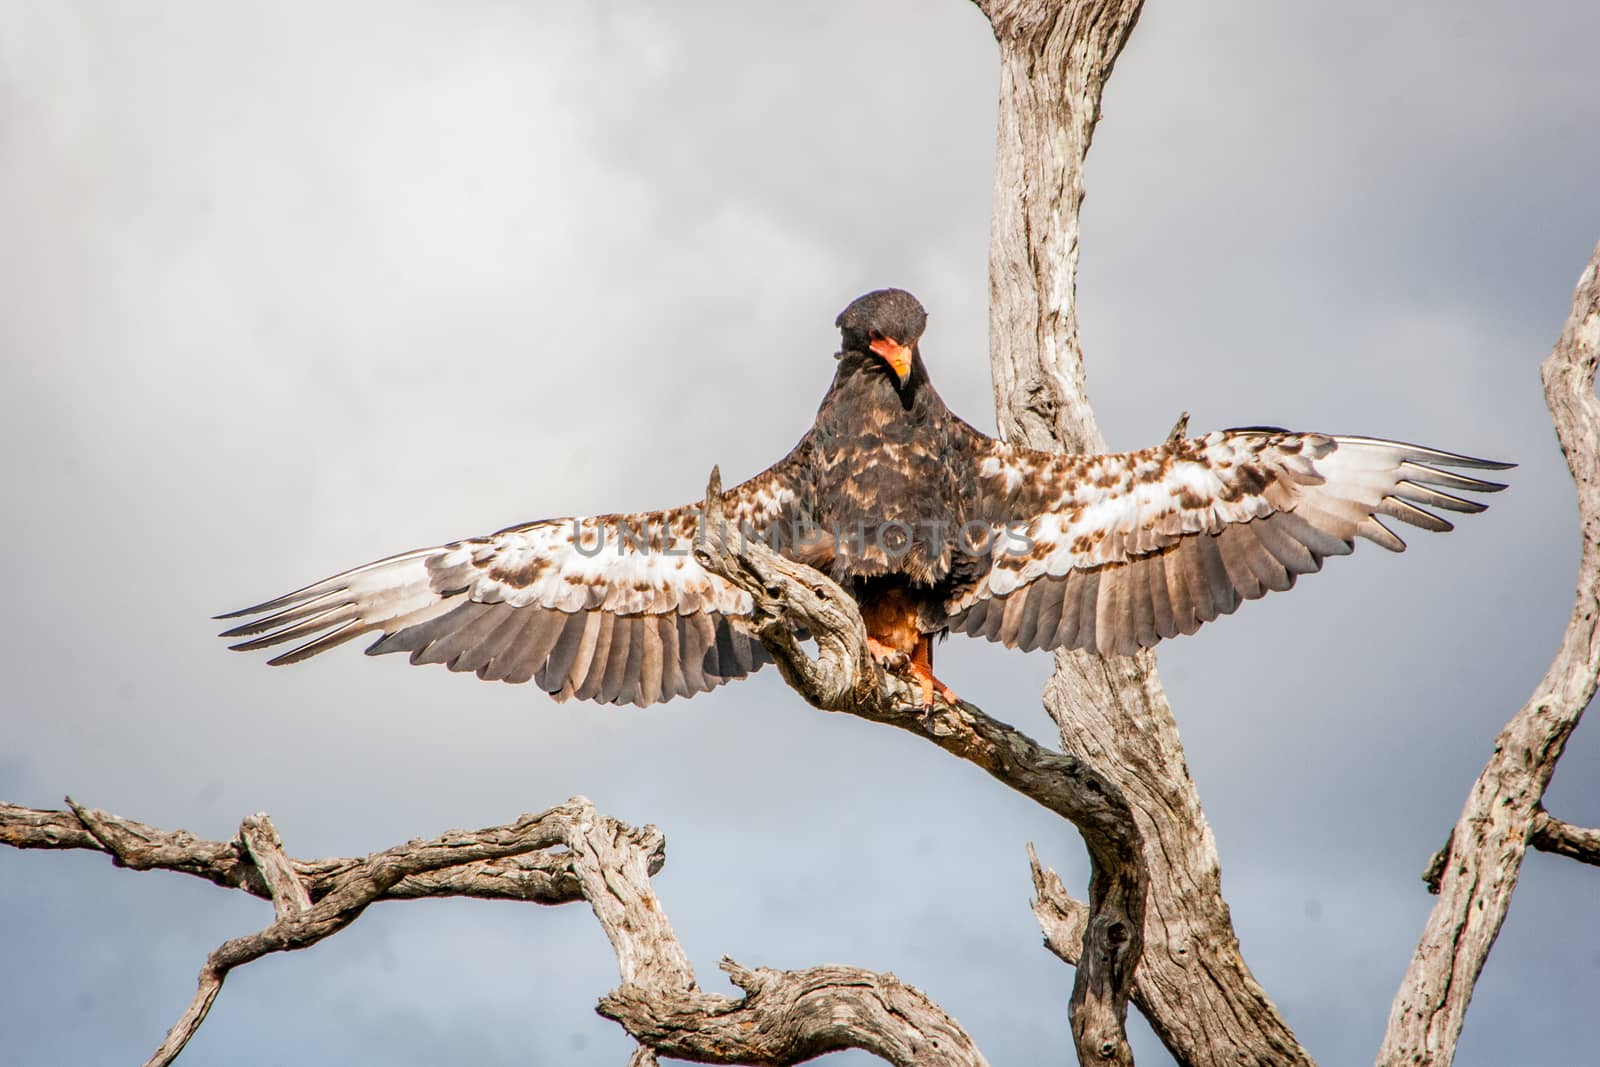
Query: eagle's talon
[(890, 659), (916, 666)]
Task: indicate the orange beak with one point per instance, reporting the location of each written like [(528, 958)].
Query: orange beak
[(895, 354)]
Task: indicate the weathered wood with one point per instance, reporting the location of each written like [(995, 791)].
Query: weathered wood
[(791, 1016), (1062, 918), (1055, 58), (612, 863), (260, 838), (312, 900), (1502, 814), (789, 597), (299, 923), (562, 855), (784, 1017), (1193, 984), (521, 874), (1550, 834)]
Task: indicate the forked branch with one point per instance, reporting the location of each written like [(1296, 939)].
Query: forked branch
[(566, 854)]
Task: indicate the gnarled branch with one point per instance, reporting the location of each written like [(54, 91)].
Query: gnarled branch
[(536, 876), (789, 597), (313, 900), (784, 1017), (565, 854), (791, 1016)]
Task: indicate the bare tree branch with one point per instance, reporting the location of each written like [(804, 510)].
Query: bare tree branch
[(1193, 983), (535, 876), (1545, 833), (1502, 812), (1062, 918), (844, 677), (791, 1016), (347, 895), (1550, 834), (312, 900), (290, 900), (566, 854), (290, 903)]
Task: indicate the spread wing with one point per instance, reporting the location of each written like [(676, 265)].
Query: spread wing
[(611, 608), (1115, 552)]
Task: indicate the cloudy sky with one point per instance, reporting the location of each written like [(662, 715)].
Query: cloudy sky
[(293, 286)]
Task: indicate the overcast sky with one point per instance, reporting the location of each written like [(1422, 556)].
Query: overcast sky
[(293, 286)]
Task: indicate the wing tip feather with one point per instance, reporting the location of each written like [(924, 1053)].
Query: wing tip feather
[(1424, 453)]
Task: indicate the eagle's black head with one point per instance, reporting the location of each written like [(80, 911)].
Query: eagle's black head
[(888, 322)]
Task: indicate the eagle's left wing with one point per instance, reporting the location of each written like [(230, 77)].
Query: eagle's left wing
[(1115, 552)]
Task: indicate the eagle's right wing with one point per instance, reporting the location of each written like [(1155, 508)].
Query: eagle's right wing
[(612, 608)]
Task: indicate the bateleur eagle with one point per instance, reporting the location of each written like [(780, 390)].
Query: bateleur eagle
[(933, 526)]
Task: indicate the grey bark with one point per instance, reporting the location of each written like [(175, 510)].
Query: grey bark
[(791, 1016), (1193, 984), (1502, 816), (1550, 834), (518, 871), (566, 854)]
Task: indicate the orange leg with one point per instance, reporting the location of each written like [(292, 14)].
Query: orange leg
[(895, 642), (922, 670)]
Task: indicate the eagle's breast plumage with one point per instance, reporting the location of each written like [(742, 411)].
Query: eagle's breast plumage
[(890, 490)]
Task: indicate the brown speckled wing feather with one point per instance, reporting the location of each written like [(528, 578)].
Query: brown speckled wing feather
[(1116, 552), (611, 608)]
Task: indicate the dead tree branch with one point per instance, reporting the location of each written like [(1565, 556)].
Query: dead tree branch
[(1193, 983), (792, 1016), (518, 874), (1545, 833), (565, 854), (1502, 815), (844, 677), (313, 900), (1550, 834), (784, 1017), (1062, 918)]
